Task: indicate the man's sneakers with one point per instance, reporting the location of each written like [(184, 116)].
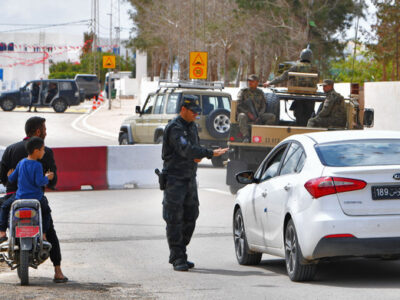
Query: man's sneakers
[(182, 265)]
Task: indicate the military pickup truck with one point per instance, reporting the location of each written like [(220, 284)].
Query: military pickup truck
[(248, 156)]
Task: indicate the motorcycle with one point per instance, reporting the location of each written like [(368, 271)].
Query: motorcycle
[(25, 247)]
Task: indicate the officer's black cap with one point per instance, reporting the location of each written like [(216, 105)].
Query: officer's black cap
[(191, 102)]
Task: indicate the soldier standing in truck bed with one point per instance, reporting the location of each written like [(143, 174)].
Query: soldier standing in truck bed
[(252, 107), (302, 109)]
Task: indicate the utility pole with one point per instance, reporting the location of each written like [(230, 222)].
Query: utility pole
[(109, 70)]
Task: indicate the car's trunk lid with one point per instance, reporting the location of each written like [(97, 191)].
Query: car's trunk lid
[(381, 195)]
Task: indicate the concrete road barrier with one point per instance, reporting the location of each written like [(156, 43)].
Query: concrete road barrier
[(133, 166), (81, 167), (112, 167)]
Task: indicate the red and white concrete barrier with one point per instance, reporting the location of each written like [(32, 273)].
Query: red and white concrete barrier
[(106, 167)]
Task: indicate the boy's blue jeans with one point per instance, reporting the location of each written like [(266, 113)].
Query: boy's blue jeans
[(6, 206)]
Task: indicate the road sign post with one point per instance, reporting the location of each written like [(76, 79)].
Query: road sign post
[(198, 65), (109, 64)]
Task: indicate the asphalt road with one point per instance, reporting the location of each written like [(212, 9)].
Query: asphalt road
[(113, 245), (63, 129)]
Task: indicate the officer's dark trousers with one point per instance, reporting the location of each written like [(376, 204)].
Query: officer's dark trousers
[(180, 212)]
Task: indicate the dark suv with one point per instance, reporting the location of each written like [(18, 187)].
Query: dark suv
[(56, 93), (89, 83), (147, 125)]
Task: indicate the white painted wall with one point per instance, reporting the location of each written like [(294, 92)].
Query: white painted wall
[(384, 98)]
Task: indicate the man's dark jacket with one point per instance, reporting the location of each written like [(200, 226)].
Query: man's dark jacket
[(14, 153), (180, 148)]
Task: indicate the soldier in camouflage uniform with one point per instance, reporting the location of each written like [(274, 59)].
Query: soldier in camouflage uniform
[(251, 108), (181, 152), (333, 112), (302, 109)]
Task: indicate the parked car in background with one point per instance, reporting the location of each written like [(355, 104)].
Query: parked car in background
[(89, 83), (147, 126), (56, 93), (318, 196)]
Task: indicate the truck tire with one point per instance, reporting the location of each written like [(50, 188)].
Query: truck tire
[(123, 139), (273, 106), (234, 189), (8, 104), (218, 123), (217, 161), (23, 268)]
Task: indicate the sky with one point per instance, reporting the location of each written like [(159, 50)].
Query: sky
[(63, 11)]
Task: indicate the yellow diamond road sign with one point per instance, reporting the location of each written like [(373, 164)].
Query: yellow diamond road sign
[(198, 65), (109, 62)]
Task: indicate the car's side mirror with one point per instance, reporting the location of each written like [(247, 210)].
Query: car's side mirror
[(137, 109), (368, 117), (245, 177)]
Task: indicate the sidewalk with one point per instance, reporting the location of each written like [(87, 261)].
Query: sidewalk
[(111, 120)]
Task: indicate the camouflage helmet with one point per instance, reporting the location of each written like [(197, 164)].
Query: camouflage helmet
[(306, 54)]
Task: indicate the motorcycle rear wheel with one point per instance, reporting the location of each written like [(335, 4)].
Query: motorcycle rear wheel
[(23, 268)]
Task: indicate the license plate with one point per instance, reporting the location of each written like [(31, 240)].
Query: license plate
[(385, 192), (26, 231)]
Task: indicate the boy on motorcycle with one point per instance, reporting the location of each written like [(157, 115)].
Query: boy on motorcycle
[(29, 174)]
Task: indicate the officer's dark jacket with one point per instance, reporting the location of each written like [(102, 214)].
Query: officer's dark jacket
[(14, 153), (180, 148)]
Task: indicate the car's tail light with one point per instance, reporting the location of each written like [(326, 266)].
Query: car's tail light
[(25, 213), (323, 186)]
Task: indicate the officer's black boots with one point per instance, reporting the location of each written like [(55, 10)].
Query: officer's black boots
[(190, 264), (180, 265)]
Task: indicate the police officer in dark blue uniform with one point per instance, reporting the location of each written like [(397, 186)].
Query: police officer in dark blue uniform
[(181, 153)]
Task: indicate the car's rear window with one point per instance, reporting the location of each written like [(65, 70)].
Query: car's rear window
[(213, 102), (360, 153), (86, 78)]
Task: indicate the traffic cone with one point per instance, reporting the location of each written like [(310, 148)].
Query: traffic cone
[(94, 103), (100, 97)]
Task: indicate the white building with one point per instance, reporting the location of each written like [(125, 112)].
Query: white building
[(27, 56)]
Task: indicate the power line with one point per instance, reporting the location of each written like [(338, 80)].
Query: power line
[(81, 22)]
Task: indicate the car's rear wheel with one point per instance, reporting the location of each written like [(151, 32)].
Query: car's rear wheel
[(8, 104), (296, 270), (60, 105), (218, 123), (243, 254), (123, 139)]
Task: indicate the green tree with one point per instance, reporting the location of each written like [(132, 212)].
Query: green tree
[(63, 70), (384, 41), (366, 68)]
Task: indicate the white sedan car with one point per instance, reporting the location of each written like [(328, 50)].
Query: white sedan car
[(321, 195)]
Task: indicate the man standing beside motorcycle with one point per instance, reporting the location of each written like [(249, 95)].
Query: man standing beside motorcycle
[(34, 126)]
